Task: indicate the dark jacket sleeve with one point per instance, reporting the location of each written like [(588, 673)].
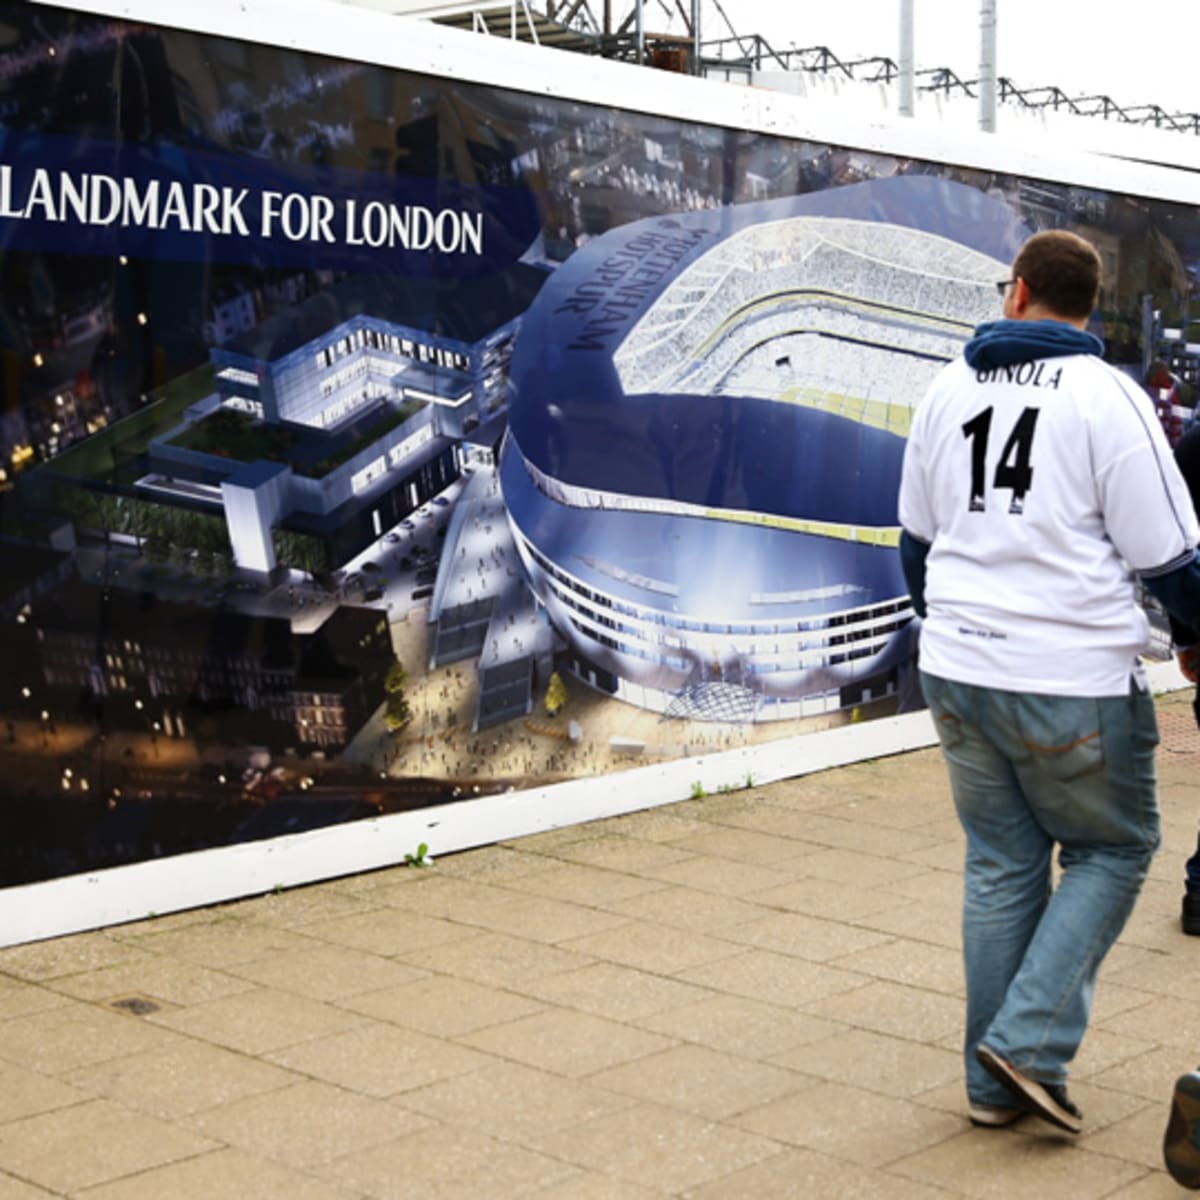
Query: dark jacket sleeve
[(1179, 591), (913, 553)]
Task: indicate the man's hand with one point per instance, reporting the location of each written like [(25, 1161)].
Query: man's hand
[(1189, 662)]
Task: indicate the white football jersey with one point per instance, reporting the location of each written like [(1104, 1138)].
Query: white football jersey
[(1041, 488)]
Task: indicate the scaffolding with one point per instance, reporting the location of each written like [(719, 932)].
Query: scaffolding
[(577, 25), (620, 30)]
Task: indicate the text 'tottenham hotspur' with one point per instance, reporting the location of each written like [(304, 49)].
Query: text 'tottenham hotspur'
[(94, 199), (621, 284)]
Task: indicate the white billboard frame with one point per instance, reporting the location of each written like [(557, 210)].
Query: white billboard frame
[(358, 34), (86, 901)]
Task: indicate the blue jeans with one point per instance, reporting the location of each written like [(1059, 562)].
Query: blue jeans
[(1029, 771)]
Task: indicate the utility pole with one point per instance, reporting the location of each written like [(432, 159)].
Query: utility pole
[(696, 37), (987, 66), (906, 58)]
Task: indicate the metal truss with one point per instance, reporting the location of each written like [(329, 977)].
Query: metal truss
[(592, 26), (755, 53)]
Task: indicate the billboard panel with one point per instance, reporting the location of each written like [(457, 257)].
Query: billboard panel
[(374, 439)]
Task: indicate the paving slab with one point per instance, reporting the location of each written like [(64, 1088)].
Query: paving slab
[(755, 995)]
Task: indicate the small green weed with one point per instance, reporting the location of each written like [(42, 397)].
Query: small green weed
[(422, 857)]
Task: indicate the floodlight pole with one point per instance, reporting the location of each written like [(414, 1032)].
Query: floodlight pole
[(987, 66)]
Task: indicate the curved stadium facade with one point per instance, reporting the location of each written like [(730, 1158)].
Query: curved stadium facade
[(707, 427)]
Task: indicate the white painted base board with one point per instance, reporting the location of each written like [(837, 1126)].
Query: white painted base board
[(77, 902)]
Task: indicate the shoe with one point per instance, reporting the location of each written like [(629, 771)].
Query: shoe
[(1191, 913), (993, 1116), (1181, 1142), (1046, 1100)]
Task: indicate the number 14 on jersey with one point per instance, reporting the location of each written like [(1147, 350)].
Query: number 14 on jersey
[(1013, 471)]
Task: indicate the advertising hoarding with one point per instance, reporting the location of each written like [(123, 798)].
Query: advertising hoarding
[(379, 438)]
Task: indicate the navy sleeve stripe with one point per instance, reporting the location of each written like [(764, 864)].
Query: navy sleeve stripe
[(1174, 565)]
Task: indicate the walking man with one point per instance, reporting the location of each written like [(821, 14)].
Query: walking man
[(1181, 1141), (1036, 482)]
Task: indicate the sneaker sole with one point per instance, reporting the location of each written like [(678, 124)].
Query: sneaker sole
[(994, 1118), (1181, 1151), (1031, 1093)]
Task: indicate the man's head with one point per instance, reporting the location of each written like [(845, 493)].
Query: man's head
[(1056, 276)]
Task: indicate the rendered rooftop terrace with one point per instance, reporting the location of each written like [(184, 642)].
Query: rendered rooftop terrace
[(311, 452)]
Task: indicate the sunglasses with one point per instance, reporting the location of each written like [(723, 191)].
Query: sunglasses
[(1002, 285)]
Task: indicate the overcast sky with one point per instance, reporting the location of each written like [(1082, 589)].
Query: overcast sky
[(1150, 55)]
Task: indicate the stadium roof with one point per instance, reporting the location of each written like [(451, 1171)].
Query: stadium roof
[(575, 421)]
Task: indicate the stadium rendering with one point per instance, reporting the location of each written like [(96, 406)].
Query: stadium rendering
[(702, 504)]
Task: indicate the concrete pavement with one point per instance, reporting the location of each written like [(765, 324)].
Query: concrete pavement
[(749, 995)]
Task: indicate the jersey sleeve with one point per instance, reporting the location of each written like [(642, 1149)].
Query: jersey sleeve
[(1147, 510)]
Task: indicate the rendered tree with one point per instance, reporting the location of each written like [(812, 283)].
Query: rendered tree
[(83, 507), (556, 694), (157, 550), (299, 550), (396, 678), (151, 526), (107, 515), (398, 712)]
